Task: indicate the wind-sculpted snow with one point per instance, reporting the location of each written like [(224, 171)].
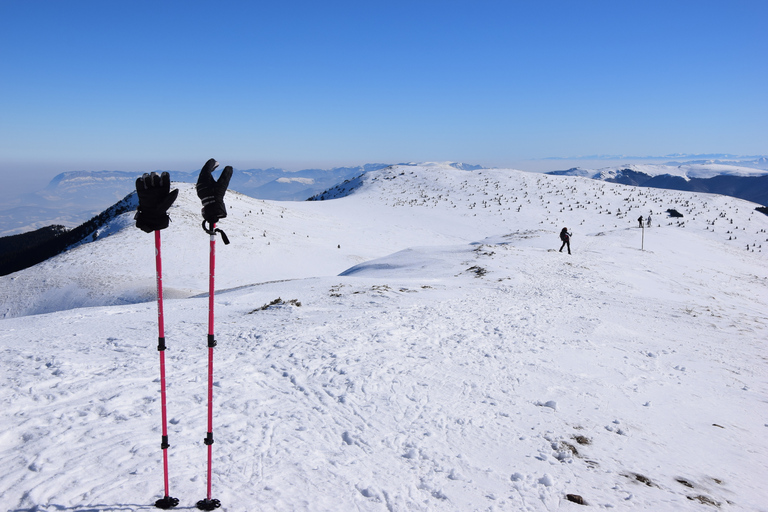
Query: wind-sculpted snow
[(460, 363)]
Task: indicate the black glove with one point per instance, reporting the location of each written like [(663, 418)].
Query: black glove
[(155, 197), (211, 192)]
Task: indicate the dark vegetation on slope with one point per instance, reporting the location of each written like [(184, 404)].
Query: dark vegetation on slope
[(18, 252), (341, 190)]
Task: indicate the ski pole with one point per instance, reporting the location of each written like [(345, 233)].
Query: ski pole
[(211, 192), (208, 503), (155, 198), (166, 502)]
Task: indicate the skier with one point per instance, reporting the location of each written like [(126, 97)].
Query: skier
[(640, 220), (565, 236), (648, 221)]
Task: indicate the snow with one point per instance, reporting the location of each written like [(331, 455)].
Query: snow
[(686, 170), (303, 181), (431, 351)]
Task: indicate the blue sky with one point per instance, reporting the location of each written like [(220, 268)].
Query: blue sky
[(143, 85)]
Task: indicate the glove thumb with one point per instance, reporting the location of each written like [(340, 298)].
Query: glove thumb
[(205, 177), (169, 199), (223, 183)]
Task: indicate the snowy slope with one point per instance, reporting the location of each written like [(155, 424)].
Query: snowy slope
[(394, 209), (459, 362)]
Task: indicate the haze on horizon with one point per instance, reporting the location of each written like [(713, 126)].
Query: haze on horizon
[(141, 86)]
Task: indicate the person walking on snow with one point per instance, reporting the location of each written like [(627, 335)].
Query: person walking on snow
[(565, 236), (640, 220), (648, 221)]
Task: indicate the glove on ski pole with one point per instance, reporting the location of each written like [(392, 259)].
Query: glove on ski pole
[(211, 192), (155, 197)]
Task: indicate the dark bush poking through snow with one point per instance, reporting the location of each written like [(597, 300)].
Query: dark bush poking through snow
[(478, 271), (278, 302), (674, 213)]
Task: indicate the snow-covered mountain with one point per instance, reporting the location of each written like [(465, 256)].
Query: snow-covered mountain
[(748, 183), (676, 159), (431, 350), (73, 197), (687, 171)]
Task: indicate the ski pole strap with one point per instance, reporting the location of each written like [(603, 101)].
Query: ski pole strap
[(211, 231)]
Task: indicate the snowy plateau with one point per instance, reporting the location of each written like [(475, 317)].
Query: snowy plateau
[(412, 342)]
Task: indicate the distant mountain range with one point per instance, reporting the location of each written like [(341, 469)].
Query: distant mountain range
[(755, 161), (72, 198), (75, 205), (736, 181)]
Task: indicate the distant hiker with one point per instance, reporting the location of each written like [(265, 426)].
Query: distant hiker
[(648, 221), (640, 220), (565, 236)]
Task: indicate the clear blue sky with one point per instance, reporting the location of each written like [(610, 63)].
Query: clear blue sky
[(142, 85)]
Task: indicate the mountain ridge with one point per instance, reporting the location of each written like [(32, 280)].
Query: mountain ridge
[(434, 192), (744, 183), (73, 197)]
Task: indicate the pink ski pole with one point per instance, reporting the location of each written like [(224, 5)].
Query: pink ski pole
[(209, 503), (166, 502)]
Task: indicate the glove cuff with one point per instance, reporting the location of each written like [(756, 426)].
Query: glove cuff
[(151, 221)]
